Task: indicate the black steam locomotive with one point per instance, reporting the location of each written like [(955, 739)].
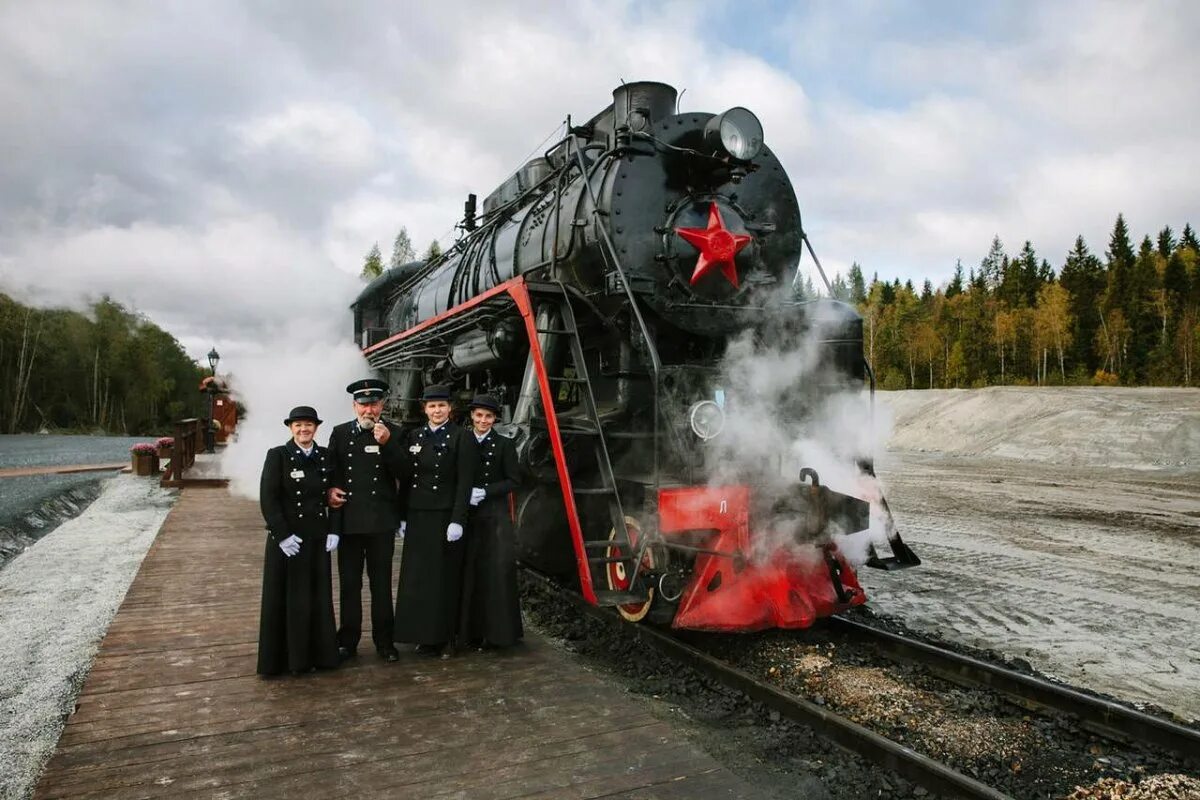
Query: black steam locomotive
[(596, 294)]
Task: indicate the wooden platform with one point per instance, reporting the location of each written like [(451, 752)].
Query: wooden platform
[(172, 706), (63, 469)]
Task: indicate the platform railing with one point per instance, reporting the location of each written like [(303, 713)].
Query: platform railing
[(189, 439)]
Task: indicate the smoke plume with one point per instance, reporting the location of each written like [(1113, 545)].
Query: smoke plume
[(787, 408)]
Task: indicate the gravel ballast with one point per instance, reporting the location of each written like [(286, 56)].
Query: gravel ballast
[(56, 601)]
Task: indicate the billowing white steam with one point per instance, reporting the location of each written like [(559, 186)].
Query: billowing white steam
[(291, 370), (779, 420)]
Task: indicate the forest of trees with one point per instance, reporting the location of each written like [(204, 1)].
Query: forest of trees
[(108, 370), (1129, 318)]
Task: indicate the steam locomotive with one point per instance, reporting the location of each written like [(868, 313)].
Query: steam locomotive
[(597, 294)]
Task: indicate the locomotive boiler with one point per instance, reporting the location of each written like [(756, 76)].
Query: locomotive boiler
[(596, 293)]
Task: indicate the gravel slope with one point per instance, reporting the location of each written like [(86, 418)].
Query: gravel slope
[(56, 601)]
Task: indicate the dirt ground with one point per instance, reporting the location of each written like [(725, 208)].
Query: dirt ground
[(1058, 526)]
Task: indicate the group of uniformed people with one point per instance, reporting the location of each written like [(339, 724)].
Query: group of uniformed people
[(441, 488)]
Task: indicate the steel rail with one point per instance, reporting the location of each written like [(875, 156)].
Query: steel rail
[(920, 769), (1097, 714)]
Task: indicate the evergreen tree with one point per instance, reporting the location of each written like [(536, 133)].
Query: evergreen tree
[(991, 269), (402, 249), (955, 286), (858, 288), (1083, 277), (372, 264), (839, 289), (1189, 238), (1141, 311), (1045, 274), (1166, 242), (434, 251)]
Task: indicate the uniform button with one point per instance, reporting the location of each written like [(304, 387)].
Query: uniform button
[(301, 516), (372, 493), (414, 486), (435, 487), (297, 491)]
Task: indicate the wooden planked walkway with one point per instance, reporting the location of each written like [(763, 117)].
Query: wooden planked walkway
[(172, 706)]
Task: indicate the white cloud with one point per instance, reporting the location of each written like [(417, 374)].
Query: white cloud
[(225, 167)]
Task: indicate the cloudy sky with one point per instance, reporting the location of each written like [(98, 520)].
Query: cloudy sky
[(223, 167)]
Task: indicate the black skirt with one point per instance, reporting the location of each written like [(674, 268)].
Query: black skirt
[(491, 606), (296, 631), (427, 595)]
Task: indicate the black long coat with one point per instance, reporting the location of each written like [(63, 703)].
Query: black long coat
[(296, 629), (368, 472), (491, 607), (441, 466)]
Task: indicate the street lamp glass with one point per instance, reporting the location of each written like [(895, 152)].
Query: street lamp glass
[(213, 358)]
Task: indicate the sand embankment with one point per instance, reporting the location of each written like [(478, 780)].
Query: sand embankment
[(1140, 428)]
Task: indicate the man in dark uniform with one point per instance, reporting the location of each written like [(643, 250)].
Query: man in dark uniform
[(491, 610), (442, 464), (368, 460)]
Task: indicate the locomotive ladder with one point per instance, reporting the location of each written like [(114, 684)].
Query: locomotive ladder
[(631, 553)]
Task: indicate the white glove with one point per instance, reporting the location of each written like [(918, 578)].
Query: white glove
[(453, 532), (400, 531), (291, 545), (477, 495), (331, 542)]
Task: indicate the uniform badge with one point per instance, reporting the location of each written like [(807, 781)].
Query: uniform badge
[(371, 448), (297, 474), (416, 448)]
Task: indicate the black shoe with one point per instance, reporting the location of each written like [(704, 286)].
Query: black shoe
[(389, 654), (347, 653)]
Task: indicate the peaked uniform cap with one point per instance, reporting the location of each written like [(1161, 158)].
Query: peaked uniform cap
[(302, 413), (368, 390)]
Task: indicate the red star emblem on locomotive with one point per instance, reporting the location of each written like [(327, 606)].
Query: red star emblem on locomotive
[(717, 247)]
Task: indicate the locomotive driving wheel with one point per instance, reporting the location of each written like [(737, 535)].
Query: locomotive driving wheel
[(617, 572)]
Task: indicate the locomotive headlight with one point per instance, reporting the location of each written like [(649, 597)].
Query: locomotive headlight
[(706, 418), (736, 132)]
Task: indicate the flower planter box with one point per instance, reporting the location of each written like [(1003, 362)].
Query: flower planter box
[(145, 463)]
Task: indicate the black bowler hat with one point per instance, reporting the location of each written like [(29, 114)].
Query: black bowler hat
[(437, 391), (302, 413), (368, 390), (485, 401)]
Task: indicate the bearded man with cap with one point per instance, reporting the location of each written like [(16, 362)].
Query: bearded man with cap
[(491, 610), (296, 630), (441, 466), (368, 461)]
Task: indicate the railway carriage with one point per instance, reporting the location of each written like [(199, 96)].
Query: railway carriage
[(596, 293)]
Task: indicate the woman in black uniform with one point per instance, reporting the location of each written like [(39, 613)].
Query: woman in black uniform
[(442, 464), (491, 610), (296, 631)]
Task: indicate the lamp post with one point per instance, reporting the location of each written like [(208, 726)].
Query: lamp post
[(210, 437)]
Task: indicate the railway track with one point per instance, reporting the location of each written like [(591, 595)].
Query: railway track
[(1101, 716), (1095, 714)]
